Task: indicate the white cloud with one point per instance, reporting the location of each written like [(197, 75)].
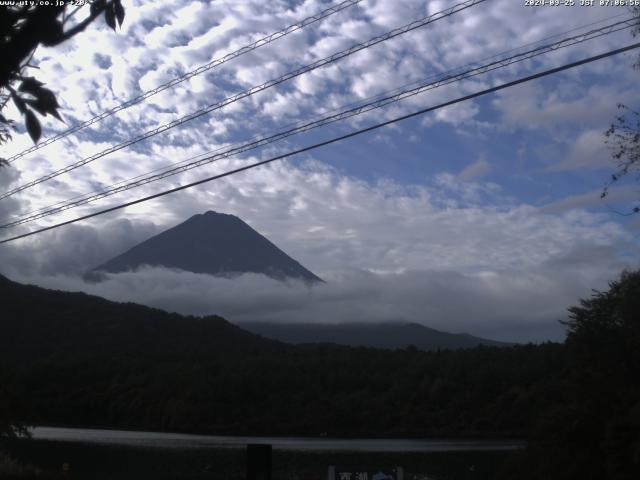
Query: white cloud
[(432, 254), (477, 169), (587, 151), (625, 195), (556, 111), (511, 306), (457, 230)]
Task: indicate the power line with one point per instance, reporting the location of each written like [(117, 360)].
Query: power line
[(120, 182), (257, 142), (251, 91), (201, 69), (261, 141), (335, 139)]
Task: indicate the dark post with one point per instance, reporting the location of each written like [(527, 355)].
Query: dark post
[(258, 462)]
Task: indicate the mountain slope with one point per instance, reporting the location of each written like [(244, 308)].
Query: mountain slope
[(377, 335), (37, 322), (74, 359), (212, 243)]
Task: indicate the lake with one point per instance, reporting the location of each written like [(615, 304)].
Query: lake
[(188, 441)]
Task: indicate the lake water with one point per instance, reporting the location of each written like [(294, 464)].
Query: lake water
[(177, 440)]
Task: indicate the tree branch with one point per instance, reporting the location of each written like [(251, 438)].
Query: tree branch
[(85, 23)]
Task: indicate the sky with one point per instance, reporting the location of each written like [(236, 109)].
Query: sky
[(483, 218)]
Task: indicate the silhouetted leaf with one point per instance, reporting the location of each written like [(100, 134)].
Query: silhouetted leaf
[(30, 85), (36, 106), (55, 113), (110, 17), (119, 10), (44, 103), (33, 126), (48, 97), (96, 7), (19, 103), (51, 31)]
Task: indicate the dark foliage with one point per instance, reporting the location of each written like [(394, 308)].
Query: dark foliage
[(84, 360), (304, 391), (13, 405), (623, 137), (592, 429), (22, 29), (40, 323), (76, 359)]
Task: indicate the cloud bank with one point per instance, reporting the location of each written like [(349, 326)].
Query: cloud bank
[(454, 255), (488, 227)]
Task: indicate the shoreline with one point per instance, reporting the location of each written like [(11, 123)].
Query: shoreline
[(279, 442), (105, 462)]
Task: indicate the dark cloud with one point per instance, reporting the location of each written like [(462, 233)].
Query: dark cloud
[(71, 250)]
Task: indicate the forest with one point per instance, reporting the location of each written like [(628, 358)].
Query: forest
[(72, 359)]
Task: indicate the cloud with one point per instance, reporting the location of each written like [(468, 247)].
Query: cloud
[(561, 110), (588, 151), (8, 175), (511, 306), (436, 254), (435, 237), (617, 195), (71, 251), (477, 169)]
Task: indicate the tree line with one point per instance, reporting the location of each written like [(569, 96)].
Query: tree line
[(578, 403)]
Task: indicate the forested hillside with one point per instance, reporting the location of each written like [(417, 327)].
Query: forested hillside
[(78, 360), (82, 360), (390, 335), (38, 323), (304, 391)]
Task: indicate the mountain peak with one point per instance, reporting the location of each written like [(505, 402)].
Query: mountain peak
[(211, 214), (213, 243)]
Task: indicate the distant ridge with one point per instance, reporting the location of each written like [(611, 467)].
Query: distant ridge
[(390, 335), (37, 322), (212, 243)]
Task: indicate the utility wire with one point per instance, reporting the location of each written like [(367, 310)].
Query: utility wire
[(111, 189), (251, 91), (257, 142), (477, 62), (201, 69), (334, 140), (121, 182)]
